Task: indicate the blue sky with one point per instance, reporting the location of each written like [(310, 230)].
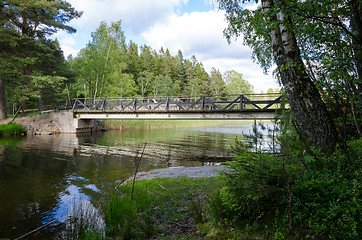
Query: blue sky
[(193, 26)]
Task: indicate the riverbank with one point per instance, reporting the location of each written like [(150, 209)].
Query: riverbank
[(11, 128), (47, 124), (169, 203), (176, 172), (159, 208), (50, 124)]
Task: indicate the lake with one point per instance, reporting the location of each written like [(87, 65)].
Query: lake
[(43, 177)]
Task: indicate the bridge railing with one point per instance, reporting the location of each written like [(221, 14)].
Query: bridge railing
[(180, 103)]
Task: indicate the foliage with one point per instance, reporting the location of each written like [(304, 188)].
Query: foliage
[(328, 36), (327, 201), (108, 66), (12, 128), (236, 84), (292, 194), (217, 83), (26, 53)]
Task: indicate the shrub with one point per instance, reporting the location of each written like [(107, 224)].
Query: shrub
[(294, 194), (327, 201), (12, 128)]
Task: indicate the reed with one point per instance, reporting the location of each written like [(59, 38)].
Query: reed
[(84, 221), (155, 124)]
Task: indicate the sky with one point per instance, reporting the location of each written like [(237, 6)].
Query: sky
[(193, 26)]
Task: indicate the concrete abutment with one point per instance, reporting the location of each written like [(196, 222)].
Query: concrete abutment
[(67, 123)]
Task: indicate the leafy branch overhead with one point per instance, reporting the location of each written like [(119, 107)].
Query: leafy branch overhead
[(317, 48)]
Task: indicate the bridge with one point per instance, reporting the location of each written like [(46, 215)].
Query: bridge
[(259, 106), (85, 111), (248, 106)]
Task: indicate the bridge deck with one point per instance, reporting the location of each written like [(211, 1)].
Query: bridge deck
[(260, 106)]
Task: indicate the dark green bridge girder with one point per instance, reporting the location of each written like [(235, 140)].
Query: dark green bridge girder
[(259, 106)]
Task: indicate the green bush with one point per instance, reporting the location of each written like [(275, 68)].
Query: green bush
[(12, 128), (292, 195), (327, 201)]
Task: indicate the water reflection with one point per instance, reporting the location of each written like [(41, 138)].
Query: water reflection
[(42, 178)]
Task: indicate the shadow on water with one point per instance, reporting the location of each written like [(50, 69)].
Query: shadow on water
[(43, 177)]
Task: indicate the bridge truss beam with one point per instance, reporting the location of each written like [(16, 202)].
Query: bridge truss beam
[(175, 115), (259, 106)]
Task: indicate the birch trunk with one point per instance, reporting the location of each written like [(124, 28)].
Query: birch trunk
[(105, 68), (305, 101)]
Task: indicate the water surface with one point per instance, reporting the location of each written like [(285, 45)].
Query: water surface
[(43, 177)]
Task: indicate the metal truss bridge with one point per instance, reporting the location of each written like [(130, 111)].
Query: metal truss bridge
[(245, 106)]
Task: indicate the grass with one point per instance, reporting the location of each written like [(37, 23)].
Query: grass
[(12, 128), (169, 208), (83, 222), (160, 209)]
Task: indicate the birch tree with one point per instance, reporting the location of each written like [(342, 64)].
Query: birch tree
[(102, 65), (271, 28)]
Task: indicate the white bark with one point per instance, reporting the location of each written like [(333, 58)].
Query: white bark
[(303, 97)]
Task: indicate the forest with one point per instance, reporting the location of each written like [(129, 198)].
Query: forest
[(34, 72)]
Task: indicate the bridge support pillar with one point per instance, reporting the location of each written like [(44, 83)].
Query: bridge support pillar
[(70, 124)]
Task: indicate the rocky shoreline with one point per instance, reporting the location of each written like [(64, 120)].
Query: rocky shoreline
[(176, 172)]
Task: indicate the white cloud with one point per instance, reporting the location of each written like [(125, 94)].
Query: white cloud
[(69, 40), (67, 50), (250, 70), (138, 15), (201, 34)]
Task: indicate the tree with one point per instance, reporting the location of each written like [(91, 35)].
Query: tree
[(192, 88), (144, 81), (303, 96), (197, 79), (164, 86), (334, 68), (122, 85), (235, 84), (101, 65), (134, 64), (217, 84), (24, 23), (180, 70)]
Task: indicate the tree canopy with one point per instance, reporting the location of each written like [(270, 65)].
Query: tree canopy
[(28, 58), (316, 46), (34, 72), (108, 66)]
